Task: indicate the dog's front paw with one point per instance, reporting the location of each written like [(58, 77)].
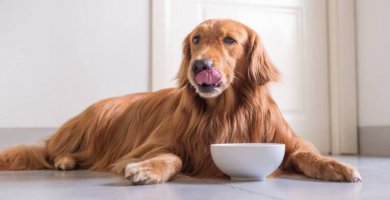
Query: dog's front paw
[(351, 175), (355, 176), (142, 173), (336, 171)]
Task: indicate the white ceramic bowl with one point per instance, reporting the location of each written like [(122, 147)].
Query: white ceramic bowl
[(247, 161)]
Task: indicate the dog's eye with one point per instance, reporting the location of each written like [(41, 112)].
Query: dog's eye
[(229, 40), (196, 39)]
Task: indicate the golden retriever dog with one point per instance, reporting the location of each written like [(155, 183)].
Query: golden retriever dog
[(222, 97)]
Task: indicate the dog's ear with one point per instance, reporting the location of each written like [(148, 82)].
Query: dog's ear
[(185, 62), (260, 70)]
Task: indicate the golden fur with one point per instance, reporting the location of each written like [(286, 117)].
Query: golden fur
[(150, 137)]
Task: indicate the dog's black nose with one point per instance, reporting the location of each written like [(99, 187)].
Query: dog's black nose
[(199, 65)]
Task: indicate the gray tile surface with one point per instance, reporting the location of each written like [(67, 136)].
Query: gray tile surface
[(60, 185)]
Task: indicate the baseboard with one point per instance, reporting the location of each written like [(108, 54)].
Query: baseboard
[(15, 136), (374, 141)]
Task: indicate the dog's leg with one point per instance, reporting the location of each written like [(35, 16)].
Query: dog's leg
[(148, 164), (158, 169), (317, 166), (24, 158), (302, 157)]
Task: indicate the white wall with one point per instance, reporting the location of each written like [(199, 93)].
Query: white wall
[(373, 40), (58, 56)]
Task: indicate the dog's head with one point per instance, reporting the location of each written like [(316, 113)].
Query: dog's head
[(221, 53)]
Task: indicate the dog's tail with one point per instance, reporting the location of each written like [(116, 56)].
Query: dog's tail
[(24, 158)]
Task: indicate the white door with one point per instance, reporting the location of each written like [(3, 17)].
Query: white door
[(294, 32)]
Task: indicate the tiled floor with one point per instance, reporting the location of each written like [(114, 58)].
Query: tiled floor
[(58, 185)]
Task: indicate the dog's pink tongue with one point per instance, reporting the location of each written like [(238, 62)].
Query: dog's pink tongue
[(208, 76)]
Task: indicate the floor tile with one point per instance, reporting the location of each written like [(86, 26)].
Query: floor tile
[(97, 185)]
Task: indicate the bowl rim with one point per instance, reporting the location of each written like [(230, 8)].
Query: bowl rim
[(246, 144)]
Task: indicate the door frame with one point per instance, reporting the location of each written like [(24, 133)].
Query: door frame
[(342, 67), (343, 76)]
